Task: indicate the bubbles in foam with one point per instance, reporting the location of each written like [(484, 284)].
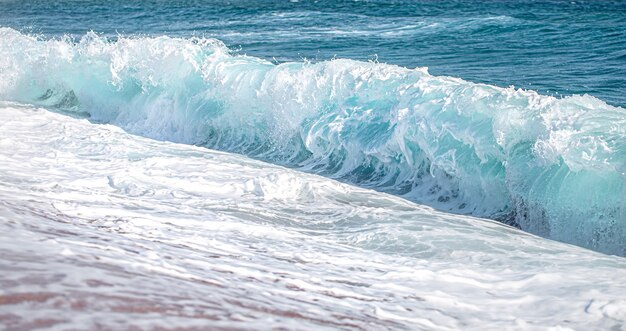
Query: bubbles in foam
[(551, 166)]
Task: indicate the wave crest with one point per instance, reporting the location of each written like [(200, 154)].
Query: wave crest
[(554, 167)]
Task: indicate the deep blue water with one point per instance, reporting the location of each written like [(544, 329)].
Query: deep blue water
[(554, 47)]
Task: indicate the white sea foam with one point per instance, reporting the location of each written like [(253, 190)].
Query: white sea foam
[(102, 229), (553, 167)]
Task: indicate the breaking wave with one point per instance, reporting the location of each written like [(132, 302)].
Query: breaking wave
[(555, 167)]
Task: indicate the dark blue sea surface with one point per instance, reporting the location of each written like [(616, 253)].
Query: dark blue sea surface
[(553, 47)]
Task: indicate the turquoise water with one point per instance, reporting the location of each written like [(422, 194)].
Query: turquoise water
[(314, 165), (554, 47), (329, 88)]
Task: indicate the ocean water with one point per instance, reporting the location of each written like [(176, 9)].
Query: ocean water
[(312, 165), (553, 47)]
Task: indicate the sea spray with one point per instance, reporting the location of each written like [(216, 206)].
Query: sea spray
[(554, 167)]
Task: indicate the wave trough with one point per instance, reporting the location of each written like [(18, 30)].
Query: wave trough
[(553, 167)]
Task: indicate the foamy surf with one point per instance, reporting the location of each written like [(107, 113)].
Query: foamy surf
[(553, 167), (103, 229)]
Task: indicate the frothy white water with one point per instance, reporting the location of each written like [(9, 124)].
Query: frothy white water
[(102, 229), (553, 167)]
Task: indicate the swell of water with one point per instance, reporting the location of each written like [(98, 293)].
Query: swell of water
[(554, 167)]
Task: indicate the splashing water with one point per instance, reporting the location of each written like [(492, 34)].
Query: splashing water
[(553, 167), (106, 230)]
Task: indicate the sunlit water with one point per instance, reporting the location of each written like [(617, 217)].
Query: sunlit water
[(552, 46), (102, 229), (312, 165)]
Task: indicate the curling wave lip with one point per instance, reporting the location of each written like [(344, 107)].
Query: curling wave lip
[(553, 167)]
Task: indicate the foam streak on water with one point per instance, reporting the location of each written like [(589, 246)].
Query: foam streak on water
[(102, 230)]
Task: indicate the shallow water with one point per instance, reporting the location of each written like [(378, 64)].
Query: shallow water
[(104, 230)]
